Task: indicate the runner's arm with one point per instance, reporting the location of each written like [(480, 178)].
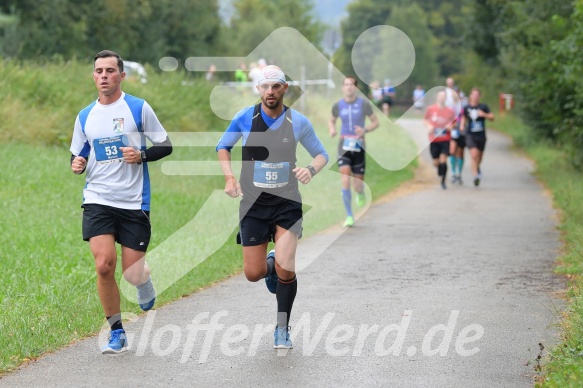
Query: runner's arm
[(80, 149), (158, 150), (332, 120), (427, 123), (463, 124), (332, 126), (485, 113), (226, 143), (374, 120), (232, 187), (153, 129), (313, 145)]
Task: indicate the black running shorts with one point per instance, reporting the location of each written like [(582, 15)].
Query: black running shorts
[(257, 226), (476, 142), (439, 148), (356, 160), (387, 100), (461, 141), (131, 228)]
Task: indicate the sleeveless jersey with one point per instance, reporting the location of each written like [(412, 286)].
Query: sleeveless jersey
[(269, 156)]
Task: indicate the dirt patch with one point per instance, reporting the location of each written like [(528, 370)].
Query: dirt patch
[(424, 179)]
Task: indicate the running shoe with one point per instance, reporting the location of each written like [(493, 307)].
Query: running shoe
[(118, 342), (349, 222), (443, 186), (271, 280), (477, 181), (281, 338), (360, 199), (454, 178), (146, 295)]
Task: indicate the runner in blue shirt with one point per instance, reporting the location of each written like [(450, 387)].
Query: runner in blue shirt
[(353, 112), (271, 205)]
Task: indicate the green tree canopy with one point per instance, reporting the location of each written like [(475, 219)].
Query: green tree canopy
[(412, 20), (141, 30)]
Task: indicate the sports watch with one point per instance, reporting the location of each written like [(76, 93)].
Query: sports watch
[(312, 170)]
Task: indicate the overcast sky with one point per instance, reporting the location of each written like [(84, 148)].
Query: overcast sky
[(329, 11)]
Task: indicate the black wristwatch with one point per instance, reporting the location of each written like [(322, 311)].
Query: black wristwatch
[(142, 156), (312, 170)]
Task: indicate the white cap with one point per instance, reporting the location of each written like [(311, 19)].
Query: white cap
[(271, 73)]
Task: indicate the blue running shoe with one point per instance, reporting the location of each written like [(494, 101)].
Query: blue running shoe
[(271, 280), (118, 342), (146, 295), (281, 338)]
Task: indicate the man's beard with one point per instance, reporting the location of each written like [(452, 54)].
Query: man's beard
[(273, 104)]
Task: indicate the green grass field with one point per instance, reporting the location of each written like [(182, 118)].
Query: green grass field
[(48, 296), (564, 368)]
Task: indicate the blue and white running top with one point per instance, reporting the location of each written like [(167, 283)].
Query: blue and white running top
[(100, 131), (303, 130)]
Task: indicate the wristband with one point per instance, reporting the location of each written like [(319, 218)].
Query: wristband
[(312, 170)]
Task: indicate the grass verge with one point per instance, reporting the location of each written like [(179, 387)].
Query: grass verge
[(565, 365)]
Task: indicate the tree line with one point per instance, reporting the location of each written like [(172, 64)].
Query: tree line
[(144, 30), (536, 48)]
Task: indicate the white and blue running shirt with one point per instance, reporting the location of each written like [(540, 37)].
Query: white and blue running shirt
[(100, 130), (241, 124)]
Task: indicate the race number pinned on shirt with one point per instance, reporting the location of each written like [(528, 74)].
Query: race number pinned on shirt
[(476, 126), (271, 175), (437, 132), (353, 144), (107, 149), (455, 133)]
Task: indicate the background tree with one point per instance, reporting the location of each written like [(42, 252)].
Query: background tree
[(447, 21), (412, 20), (44, 28), (141, 30)]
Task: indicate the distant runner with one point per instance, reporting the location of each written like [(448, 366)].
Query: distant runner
[(458, 141), (474, 124), (439, 121), (353, 111)]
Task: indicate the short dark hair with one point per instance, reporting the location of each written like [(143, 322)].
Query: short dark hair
[(352, 78), (109, 54)]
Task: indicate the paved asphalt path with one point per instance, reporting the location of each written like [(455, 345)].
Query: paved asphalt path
[(436, 288)]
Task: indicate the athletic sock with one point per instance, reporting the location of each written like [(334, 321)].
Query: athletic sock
[(453, 162), (270, 266), (347, 198), (460, 165), (115, 321), (441, 169), (285, 294)]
